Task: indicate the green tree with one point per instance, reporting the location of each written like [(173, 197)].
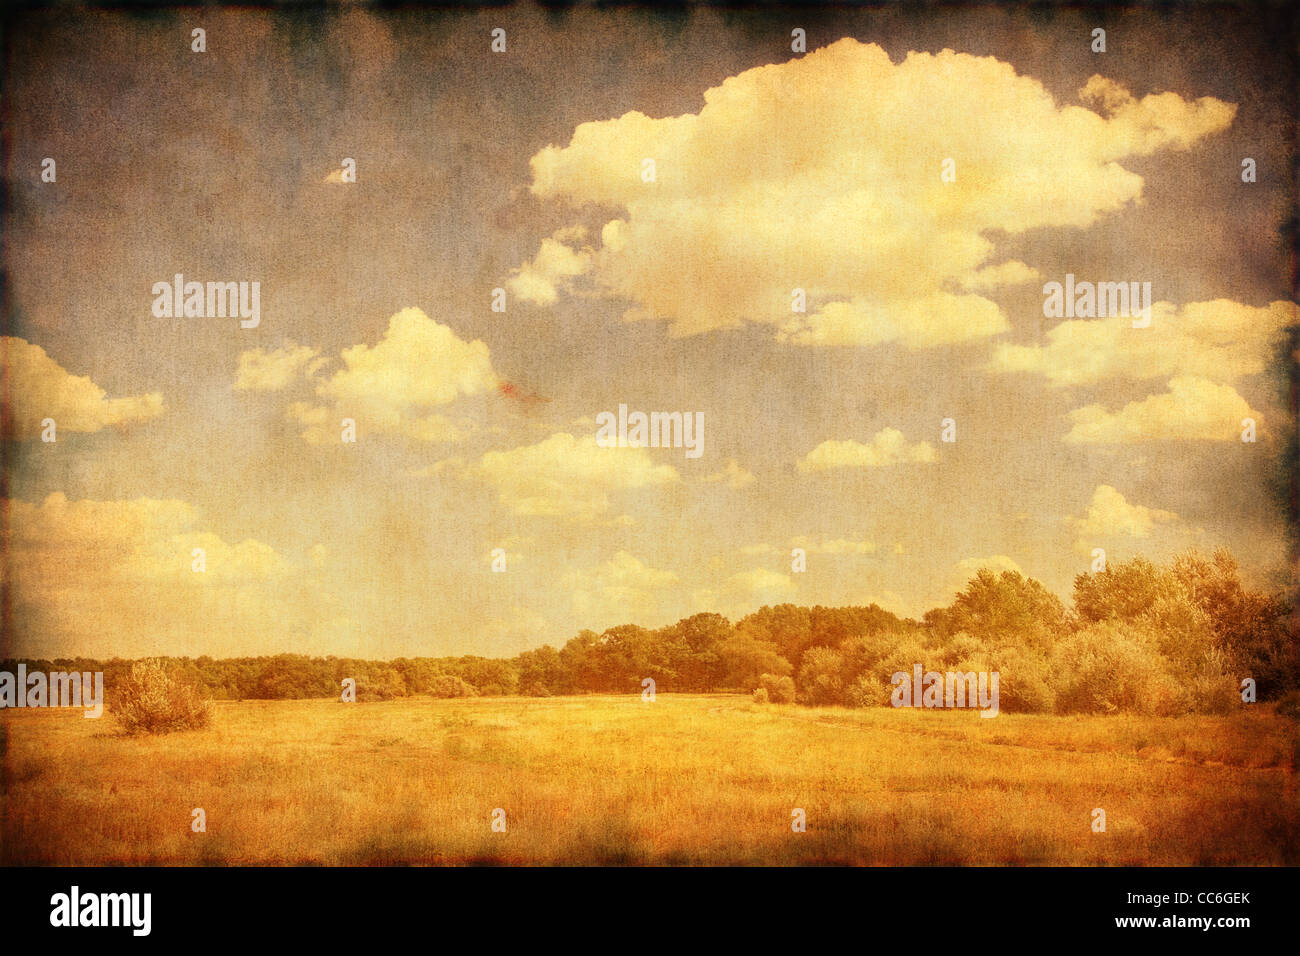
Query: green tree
[(698, 640), (745, 660), (1008, 608), (821, 677)]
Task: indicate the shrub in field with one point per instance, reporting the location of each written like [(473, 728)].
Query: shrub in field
[(381, 683), (1024, 679), (780, 690), (1110, 667), (151, 701), (760, 695), (821, 678), (958, 647), (901, 658), (449, 685), (1210, 691), (866, 691)]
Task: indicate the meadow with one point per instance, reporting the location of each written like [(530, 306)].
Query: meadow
[(685, 779)]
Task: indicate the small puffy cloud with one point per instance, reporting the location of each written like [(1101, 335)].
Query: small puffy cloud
[(824, 173), (569, 477), (733, 474), (145, 539), (261, 370), (890, 601), (1192, 409), (1219, 340), (556, 262), (317, 420), (1141, 127), (617, 589), (392, 387), (39, 388), (888, 447), (1110, 515), (418, 363), (746, 591)]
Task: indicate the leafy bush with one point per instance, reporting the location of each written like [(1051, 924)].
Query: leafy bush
[(902, 658), (821, 679), (760, 695), (1110, 667), (381, 683), (1210, 691), (746, 659), (1203, 618), (449, 685), (780, 689), (1024, 680), (866, 691), (151, 701), (961, 647)]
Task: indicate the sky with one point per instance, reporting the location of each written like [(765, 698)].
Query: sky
[(919, 178)]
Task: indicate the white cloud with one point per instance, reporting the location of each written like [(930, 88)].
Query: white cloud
[(270, 371), (824, 173), (746, 591), (995, 562), (540, 280), (733, 474), (1110, 515), (887, 447), (1004, 274), (1192, 409), (1219, 340), (39, 387), (568, 476), (392, 387)]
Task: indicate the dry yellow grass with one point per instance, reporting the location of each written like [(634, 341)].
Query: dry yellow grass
[(705, 779)]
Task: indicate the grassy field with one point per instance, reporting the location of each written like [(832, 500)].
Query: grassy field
[(689, 779)]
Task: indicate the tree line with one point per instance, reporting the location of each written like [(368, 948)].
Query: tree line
[(1138, 637)]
